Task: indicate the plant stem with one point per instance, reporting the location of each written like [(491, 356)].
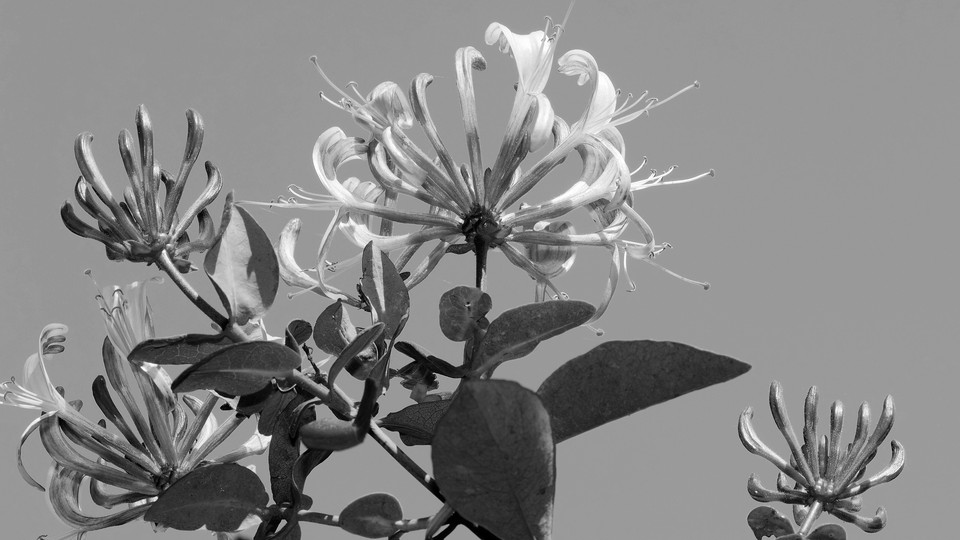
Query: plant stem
[(812, 514), (421, 475), (405, 525), (481, 248), (319, 517), (406, 461), (336, 400), (229, 328)]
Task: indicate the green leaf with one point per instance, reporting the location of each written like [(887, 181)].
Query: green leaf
[(493, 457), (239, 369), (831, 531), (417, 422), (333, 330), (462, 312), (372, 516), (243, 267), (423, 357), (300, 330), (516, 332), (766, 521), (384, 289), (178, 350), (301, 470), (619, 378), (330, 434), (351, 351), (219, 497), (285, 446)]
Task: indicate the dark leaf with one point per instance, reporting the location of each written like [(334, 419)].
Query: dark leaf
[(243, 267), (239, 369), (493, 457), (367, 407), (384, 290), (178, 350), (427, 360), (766, 521), (272, 407), (330, 434), (417, 421), (218, 497), (300, 330), (333, 329), (462, 311), (285, 447), (363, 340), (250, 404), (828, 532), (372, 516), (516, 332), (618, 378), (301, 470)]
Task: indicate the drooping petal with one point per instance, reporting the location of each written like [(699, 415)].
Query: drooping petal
[(603, 102), (532, 52), (64, 494)]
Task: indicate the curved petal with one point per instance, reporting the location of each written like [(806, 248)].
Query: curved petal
[(603, 102), (333, 148), (64, 498), (532, 52)]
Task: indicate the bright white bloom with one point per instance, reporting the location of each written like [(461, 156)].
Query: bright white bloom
[(467, 207)]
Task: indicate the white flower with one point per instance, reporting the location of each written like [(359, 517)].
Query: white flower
[(466, 207)]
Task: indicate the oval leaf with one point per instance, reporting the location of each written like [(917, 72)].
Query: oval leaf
[(384, 289), (372, 516), (300, 330), (219, 497), (178, 350), (416, 422), (333, 330), (351, 351), (766, 521), (285, 446), (618, 378), (493, 457), (517, 331), (239, 369), (243, 267), (831, 531), (330, 434), (461, 311)]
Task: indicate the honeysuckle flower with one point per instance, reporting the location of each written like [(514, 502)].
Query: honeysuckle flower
[(826, 476), (158, 445), (144, 225), (157, 442), (466, 207)]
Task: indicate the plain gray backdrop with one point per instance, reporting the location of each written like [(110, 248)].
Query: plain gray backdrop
[(828, 234)]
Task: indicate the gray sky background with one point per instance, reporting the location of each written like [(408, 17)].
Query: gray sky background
[(828, 234)]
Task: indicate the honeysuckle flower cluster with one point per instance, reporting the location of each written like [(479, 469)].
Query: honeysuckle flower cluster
[(826, 476), (156, 446), (472, 207), (143, 225)]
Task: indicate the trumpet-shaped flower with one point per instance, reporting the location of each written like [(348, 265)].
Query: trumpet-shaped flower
[(826, 476), (155, 442), (143, 225), (466, 207)]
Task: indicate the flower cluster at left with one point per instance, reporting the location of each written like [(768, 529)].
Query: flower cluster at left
[(157, 443), (143, 226)]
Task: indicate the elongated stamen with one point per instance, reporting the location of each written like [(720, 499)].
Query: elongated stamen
[(621, 116), (329, 82)]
